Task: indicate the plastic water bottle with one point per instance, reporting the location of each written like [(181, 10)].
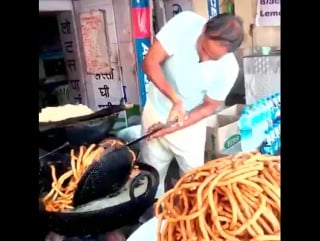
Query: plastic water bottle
[(268, 114), (278, 97), (256, 125), (245, 126), (266, 147), (271, 109), (279, 102), (276, 138), (262, 120), (273, 141), (265, 116), (278, 135), (274, 100), (279, 131), (277, 114), (245, 110)]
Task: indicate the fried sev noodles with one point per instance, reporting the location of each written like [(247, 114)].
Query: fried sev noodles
[(63, 188), (231, 198)]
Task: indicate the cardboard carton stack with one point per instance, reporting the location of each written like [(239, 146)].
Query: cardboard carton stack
[(223, 135)]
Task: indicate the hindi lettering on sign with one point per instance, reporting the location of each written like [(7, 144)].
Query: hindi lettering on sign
[(110, 75), (74, 84), (93, 33), (97, 76), (68, 46), (66, 27), (72, 64), (104, 91), (105, 76)]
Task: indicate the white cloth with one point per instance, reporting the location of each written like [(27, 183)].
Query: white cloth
[(186, 145)]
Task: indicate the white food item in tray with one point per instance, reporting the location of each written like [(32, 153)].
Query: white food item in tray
[(59, 113)]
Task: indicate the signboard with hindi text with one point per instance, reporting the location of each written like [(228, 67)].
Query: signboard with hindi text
[(268, 13), (94, 39), (106, 88), (69, 45)]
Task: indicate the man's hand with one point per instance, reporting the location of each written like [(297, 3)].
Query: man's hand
[(177, 113), (156, 127), (198, 113), (161, 129)]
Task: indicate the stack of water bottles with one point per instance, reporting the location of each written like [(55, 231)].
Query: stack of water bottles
[(260, 125)]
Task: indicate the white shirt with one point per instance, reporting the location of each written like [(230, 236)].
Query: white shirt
[(190, 79)]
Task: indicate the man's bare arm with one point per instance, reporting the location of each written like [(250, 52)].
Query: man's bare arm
[(200, 112), (152, 67)]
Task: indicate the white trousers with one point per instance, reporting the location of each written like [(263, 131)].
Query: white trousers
[(186, 146)]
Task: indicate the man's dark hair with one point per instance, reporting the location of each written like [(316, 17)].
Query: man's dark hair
[(225, 28)]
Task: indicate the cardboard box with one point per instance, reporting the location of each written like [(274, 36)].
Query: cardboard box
[(234, 110), (212, 126), (223, 135)]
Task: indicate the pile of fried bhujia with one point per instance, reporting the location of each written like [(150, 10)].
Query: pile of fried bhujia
[(234, 198), (61, 195), (59, 113)]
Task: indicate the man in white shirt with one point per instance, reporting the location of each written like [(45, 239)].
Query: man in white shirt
[(191, 68)]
